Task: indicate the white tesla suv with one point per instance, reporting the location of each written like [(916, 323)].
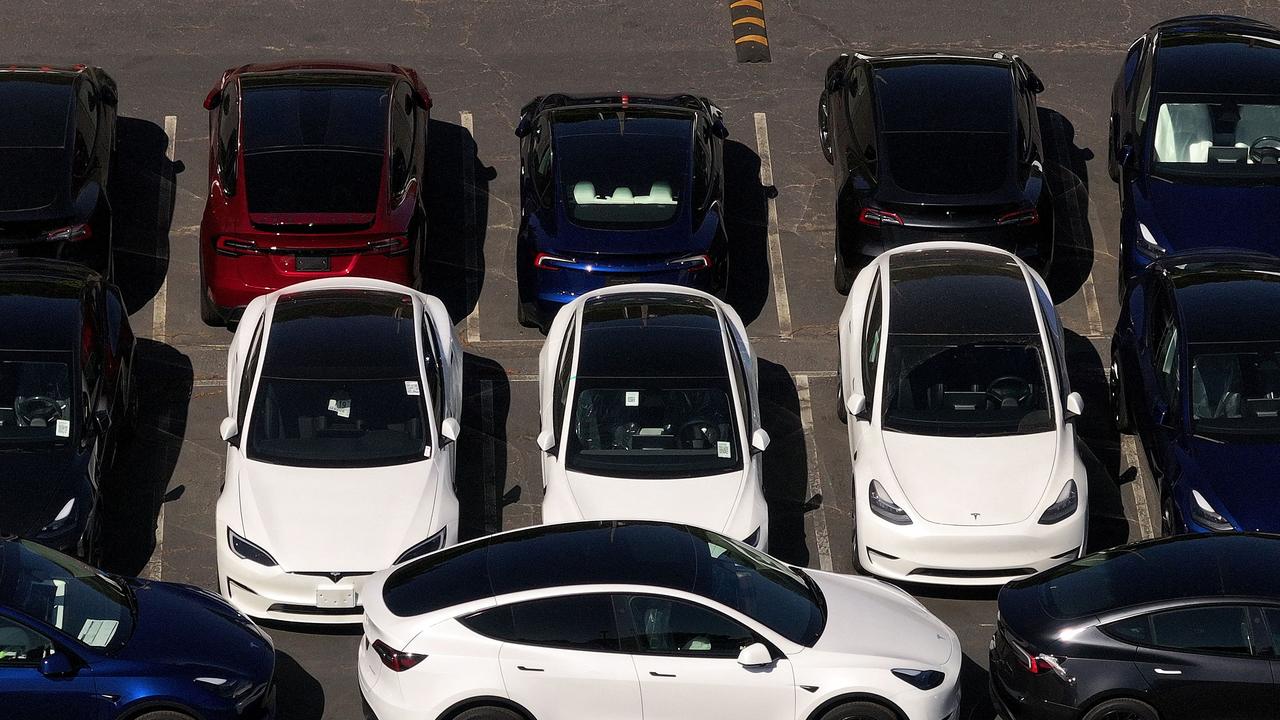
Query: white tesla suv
[(953, 382), (634, 619), (343, 398), (649, 407)]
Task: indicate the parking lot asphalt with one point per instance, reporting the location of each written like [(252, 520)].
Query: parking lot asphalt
[(482, 59)]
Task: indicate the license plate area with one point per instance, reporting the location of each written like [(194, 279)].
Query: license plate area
[(340, 596), (311, 263), (611, 279)]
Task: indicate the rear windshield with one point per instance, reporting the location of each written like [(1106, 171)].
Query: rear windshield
[(313, 148), (1235, 390), (34, 113), (619, 171), (35, 398), (1224, 137)]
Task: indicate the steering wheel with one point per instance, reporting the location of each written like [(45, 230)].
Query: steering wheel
[(36, 407), (697, 430), (1007, 390), (1265, 150)]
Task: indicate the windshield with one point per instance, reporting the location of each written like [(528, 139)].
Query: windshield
[(35, 399), (65, 593), (1235, 389), (654, 428), (337, 423), (620, 170), (966, 386), (1224, 137)]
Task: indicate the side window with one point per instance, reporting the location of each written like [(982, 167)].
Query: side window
[(740, 375), (402, 138), (86, 128), (1131, 62), (1221, 629), (573, 622), (542, 159), (664, 626), (1142, 101), (701, 167), (90, 353), (228, 138), (1022, 99), (1167, 362), (1136, 630), (20, 646), (434, 372), (250, 370), (871, 342), (1052, 326), (1272, 616), (862, 119), (563, 378)]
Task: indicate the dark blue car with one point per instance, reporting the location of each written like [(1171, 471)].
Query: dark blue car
[(1195, 368), (618, 189), (1195, 139), (77, 643)]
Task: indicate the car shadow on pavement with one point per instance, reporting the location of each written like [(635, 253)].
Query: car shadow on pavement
[(1068, 179), (785, 465), (747, 226), (135, 488), (299, 695), (142, 199), (1099, 444), (482, 447), (457, 206)]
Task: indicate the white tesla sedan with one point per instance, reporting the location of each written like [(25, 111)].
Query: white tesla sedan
[(953, 382), (649, 410), (343, 398), (631, 620)]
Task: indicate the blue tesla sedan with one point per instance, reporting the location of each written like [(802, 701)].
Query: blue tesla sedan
[(1195, 373), (618, 189), (78, 643), (1195, 139)]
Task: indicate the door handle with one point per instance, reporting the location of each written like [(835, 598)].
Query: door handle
[(528, 669), (1162, 671), (658, 674)]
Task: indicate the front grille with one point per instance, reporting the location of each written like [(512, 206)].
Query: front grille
[(970, 574)]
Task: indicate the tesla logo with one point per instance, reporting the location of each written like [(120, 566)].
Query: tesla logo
[(335, 576), (975, 515)]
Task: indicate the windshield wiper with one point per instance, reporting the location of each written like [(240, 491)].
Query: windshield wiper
[(818, 598)]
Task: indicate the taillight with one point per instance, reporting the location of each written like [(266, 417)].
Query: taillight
[(876, 218), (396, 660), (71, 233), (1035, 664), (547, 261), (1029, 216), (234, 246), (692, 262)]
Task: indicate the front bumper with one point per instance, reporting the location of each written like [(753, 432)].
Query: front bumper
[(270, 593)]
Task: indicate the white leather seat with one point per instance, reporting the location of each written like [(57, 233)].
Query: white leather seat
[(622, 195), (1184, 133), (1257, 121), (584, 193), (660, 194)]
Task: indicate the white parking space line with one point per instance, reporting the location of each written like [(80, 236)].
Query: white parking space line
[(1129, 451), (775, 243), (160, 303), (472, 333), (1091, 306), (822, 537)]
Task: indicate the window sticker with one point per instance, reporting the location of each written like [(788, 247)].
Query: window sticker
[(62, 428), (724, 449), (633, 398), (411, 387), (97, 633), (340, 406)]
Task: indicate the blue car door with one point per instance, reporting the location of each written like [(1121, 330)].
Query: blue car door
[(27, 693), (1157, 407)]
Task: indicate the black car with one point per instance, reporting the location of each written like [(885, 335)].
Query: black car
[(934, 147), (66, 400), (1183, 628), (57, 143), (618, 189)]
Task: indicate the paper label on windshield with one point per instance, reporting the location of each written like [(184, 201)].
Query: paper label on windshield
[(341, 407), (62, 428), (633, 398), (724, 449), (97, 633), (411, 387)]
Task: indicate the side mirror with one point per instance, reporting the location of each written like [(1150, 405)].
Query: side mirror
[(547, 442), (719, 130), (524, 126), (450, 430), (229, 430), (835, 73), (1075, 405), (856, 406), (214, 98), (57, 664), (1034, 83), (102, 422), (759, 440), (755, 655), (108, 95)]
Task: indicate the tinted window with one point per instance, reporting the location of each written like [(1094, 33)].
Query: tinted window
[(229, 138), (575, 622), (1209, 629), (1235, 388), (435, 372), (542, 157), (451, 576), (1142, 96), (564, 376), (250, 373), (35, 397), (945, 96), (1136, 630), (45, 106), (665, 626), (86, 128), (871, 341), (1272, 616), (1131, 62), (1167, 363), (65, 593), (20, 645), (402, 138), (862, 118), (623, 169)]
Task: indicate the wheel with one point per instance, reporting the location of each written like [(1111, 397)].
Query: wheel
[(1122, 709), (163, 715), (208, 312), (1168, 511), (842, 413), (526, 316), (1119, 403), (824, 129), (859, 711), (488, 713), (843, 277)]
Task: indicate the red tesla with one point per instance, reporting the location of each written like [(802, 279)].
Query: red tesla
[(315, 170)]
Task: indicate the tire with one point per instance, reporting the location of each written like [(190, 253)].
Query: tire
[(208, 313), (526, 317), (1122, 709), (1167, 512), (488, 713), (842, 413), (861, 710), (843, 278), (824, 129), (163, 715), (1119, 402)]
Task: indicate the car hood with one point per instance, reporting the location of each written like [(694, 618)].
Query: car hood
[(184, 626), (35, 485), (1238, 479), (1188, 216), (704, 502), (869, 617), (36, 182), (330, 519), (950, 479)]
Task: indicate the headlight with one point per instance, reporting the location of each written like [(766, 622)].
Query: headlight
[(430, 545), (1148, 245), (922, 679), (238, 691), (64, 519), (885, 507), (248, 550), (1202, 512), (1064, 507)]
